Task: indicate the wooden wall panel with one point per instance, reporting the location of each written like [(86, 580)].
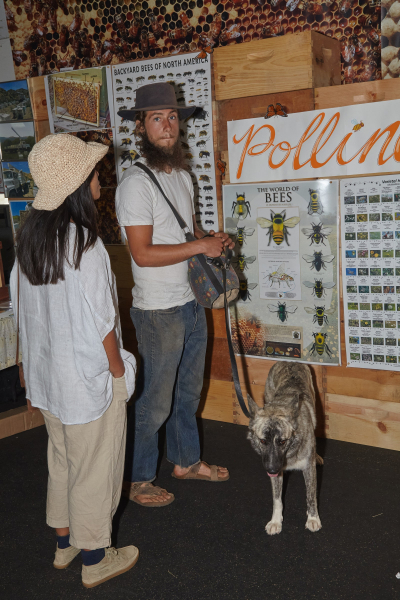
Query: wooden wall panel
[(357, 93)]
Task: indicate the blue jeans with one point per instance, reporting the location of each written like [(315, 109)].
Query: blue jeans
[(172, 345)]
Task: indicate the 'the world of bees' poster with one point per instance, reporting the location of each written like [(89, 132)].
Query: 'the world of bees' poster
[(287, 259), (370, 215)]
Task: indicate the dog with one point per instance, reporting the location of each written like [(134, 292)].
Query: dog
[(282, 432)]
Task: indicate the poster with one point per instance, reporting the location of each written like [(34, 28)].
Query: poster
[(370, 222), (15, 103), (79, 100), (286, 256), (349, 140), (191, 78)]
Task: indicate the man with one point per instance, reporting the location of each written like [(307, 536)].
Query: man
[(170, 325)]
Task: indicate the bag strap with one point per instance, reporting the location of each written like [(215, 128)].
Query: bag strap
[(221, 289), (235, 373), (183, 225), (17, 354)]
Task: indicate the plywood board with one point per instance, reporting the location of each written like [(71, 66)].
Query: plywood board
[(363, 421), (216, 402), (38, 98)]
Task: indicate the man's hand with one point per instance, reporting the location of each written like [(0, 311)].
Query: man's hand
[(224, 237), (211, 246)]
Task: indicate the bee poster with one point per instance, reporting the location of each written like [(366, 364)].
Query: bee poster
[(287, 259), (370, 215), (191, 78)]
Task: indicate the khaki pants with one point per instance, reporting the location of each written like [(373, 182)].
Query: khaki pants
[(86, 464)]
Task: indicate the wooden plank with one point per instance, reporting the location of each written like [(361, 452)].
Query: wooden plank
[(42, 128), (38, 98), (357, 93), (216, 401), (253, 107), (363, 421), (18, 420), (277, 64), (362, 383), (216, 322), (218, 364)]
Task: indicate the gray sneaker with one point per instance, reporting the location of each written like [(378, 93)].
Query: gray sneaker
[(65, 556), (114, 563)]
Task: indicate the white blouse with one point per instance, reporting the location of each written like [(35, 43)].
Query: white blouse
[(62, 327)]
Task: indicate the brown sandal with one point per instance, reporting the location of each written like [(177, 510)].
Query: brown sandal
[(131, 490), (193, 473)]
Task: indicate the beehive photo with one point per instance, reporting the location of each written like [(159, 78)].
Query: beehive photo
[(78, 100)]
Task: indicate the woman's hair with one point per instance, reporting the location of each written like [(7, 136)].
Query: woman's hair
[(43, 239)]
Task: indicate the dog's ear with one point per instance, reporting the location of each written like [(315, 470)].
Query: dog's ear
[(253, 407)]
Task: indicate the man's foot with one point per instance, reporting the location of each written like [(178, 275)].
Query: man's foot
[(203, 471), (114, 563), (147, 494)]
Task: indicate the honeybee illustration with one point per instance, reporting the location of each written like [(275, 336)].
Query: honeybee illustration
[(279, 277), (241, 207), (278, 226), (320, 345), (315, 204), (319, 313), (317, 234), (357, 125)]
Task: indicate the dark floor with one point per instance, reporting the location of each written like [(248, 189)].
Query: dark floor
[(210, 543)]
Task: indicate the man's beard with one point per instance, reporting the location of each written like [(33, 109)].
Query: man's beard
[(159, 158)]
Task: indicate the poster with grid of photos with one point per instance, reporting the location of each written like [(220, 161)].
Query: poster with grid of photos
[(370, 220), (191, 78)]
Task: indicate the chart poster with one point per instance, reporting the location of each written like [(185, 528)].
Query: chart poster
[(286, 256), (191, 78), (79, 100), (370, 215)]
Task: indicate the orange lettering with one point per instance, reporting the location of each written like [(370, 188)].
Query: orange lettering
[(279, 146), (250, 137), (306, 135), (391, 129), (314, 162)]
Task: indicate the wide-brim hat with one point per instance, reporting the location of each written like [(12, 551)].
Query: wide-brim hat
[(59, 164), (156, 96)]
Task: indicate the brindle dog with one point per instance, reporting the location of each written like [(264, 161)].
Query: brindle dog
[(283, 434)]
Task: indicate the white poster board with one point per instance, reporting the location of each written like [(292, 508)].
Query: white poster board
[(191, 78), (286, 256), (370, 223)]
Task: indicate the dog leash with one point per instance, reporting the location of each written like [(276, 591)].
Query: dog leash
[(221, 289)]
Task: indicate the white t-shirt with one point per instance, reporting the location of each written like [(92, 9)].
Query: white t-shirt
[(138, 201), (62, 328)]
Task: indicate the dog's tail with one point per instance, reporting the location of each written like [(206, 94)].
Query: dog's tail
[(319, 460)]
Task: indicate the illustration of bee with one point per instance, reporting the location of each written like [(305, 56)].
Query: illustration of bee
[(317, 234), (241, 207), (319, 287), (130, 155), (318, 260), (203, 153), (280, 276), (315, 204), (282, 311), (278, 226), (357, 125), (204, 178), (244, 288), (126, 142), (241, 233), (123, 129), (242, 261), (118, 81), (139, 79), (189, 155), (319, 313), (320, 344)]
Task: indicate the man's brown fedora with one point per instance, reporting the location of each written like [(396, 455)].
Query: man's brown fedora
[(156, 96)]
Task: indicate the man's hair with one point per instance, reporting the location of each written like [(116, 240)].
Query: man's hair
[(157, 158), (43, 239)]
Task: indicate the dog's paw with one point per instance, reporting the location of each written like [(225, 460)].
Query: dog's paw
[(313, 524), (273, 527)]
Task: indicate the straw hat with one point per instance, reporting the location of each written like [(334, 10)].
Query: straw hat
[(156, 96), (59, 164)]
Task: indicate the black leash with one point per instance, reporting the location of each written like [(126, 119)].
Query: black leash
[(221, 289)]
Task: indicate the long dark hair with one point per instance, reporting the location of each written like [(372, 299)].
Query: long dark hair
[(43, 239)]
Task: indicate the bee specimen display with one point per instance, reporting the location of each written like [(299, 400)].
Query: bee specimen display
[(278, 227)]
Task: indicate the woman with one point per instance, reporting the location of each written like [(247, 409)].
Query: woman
[(75, 369)]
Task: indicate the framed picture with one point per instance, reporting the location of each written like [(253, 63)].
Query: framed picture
[(16, 140), (19, 211), (17, 180), (15, 103)]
